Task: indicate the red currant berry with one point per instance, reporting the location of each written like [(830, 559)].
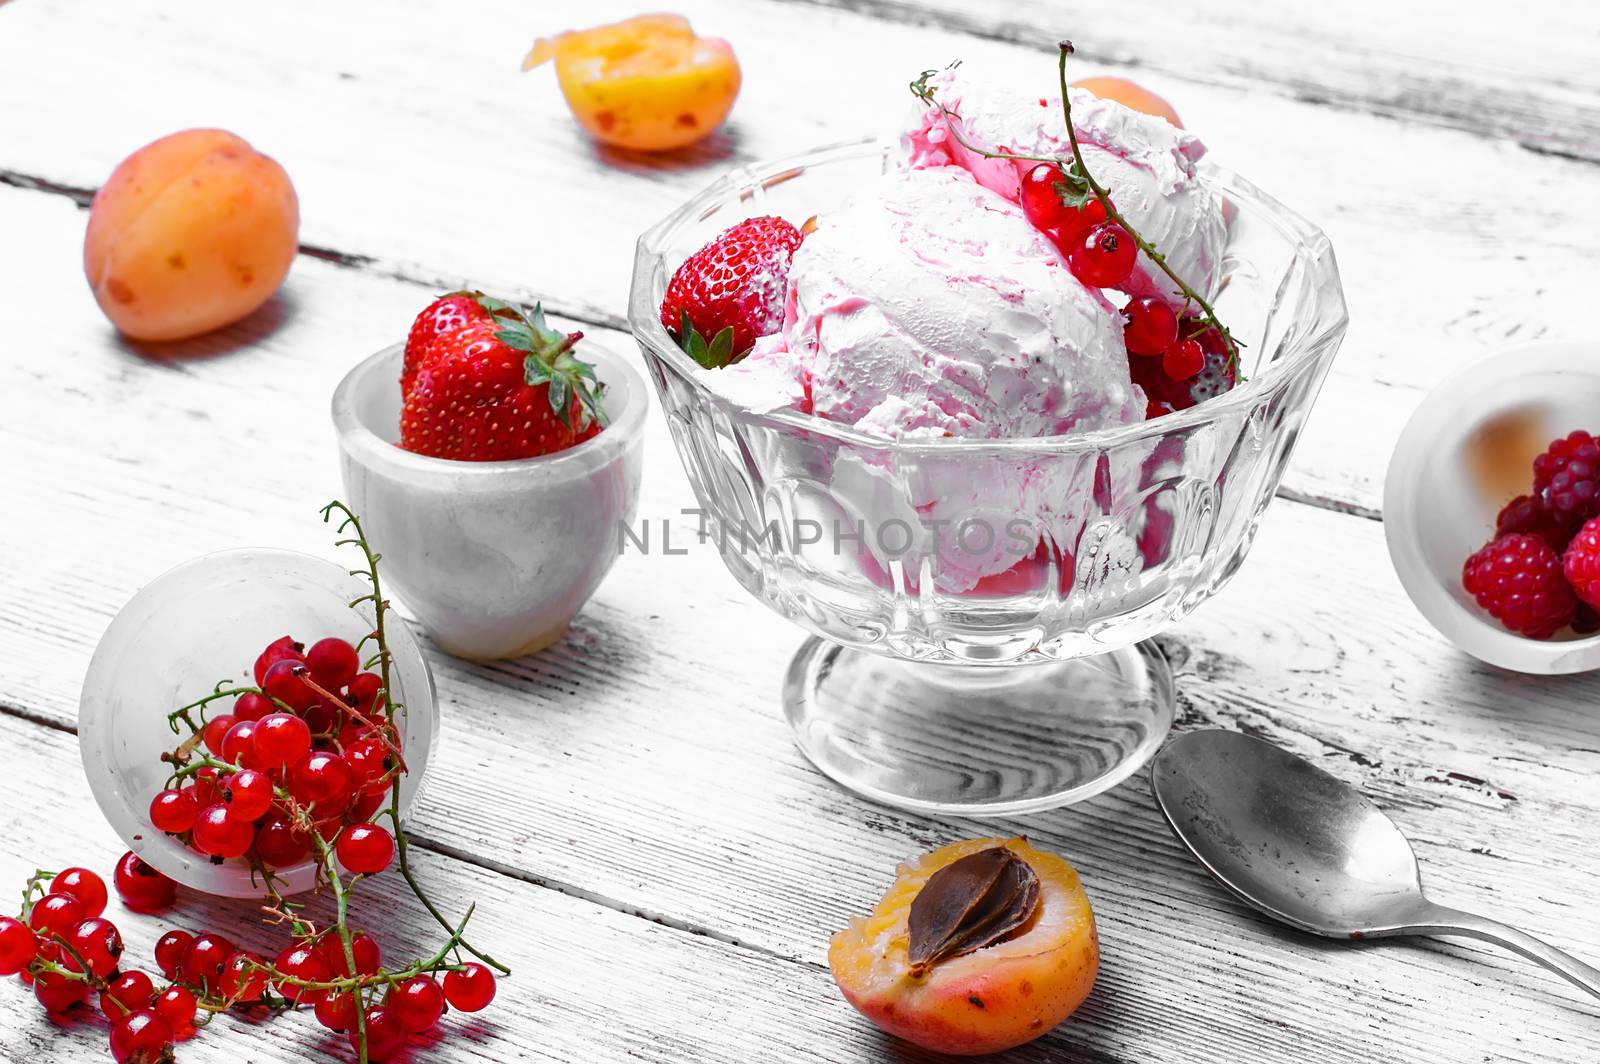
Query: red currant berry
[(218, 833), (369, 761), (141, 887), (279, 843), (177, 1006), (1104, 257), (1151, 328), (333, 663), (285, 683), (365, 849), (416, 1004), (385, 1036), (335, 1009), (368, 803), (56, 914), (1183, 360), (18, 946), (170, 951), (206, 791), (323, 720), (363, 691), (98, 942), (248, 794), (1082, 220), (141, 1037), (84, 885), (1041, 199), (299, 962), (368, 956), (281, 739), (251, 706), (276, 651), (203, 961), (216, 731), (238, 746), (470, 989), (322, 780), (49, 950), (174, 811), (58, 992), (127, 993), (244, 977)]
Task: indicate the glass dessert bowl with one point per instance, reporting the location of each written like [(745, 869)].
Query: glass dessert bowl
[(1029, 688)]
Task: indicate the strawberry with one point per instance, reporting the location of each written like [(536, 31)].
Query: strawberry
[(445, 314), (491, 384), (731, 291)]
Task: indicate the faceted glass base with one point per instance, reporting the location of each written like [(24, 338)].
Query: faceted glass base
[(978, 740)]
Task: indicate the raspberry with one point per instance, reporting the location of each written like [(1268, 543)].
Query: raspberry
[(1518, 579), (1582, 563), (1565, 476), (1527, 514)]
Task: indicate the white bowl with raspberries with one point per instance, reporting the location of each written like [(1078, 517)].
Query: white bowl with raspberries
[(1491, 508)]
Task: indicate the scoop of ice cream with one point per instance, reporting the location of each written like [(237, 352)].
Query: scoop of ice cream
[(927, 307), (1147, 165)]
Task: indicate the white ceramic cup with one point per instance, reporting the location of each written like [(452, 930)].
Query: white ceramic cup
[(494, 558), (1466, 452), (203, 622)]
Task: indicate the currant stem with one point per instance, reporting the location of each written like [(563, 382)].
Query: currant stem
[(1115, 215), (380, 608)]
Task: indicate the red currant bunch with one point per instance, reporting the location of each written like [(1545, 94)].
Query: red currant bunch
[(308, 748)]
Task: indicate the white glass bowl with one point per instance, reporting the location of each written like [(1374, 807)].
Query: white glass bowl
[(1039, 689), (494, 558), (1467, 451), (195, 625)]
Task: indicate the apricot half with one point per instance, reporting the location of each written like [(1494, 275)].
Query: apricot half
[(189, 233), (647, 83), (1130, 94), (984, 1001)]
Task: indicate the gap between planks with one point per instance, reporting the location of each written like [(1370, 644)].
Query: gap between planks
[(510, 871)]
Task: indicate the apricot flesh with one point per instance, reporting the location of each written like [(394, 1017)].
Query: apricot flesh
[(991, 1000), (1130, 94), (188, 234), (646, 84)]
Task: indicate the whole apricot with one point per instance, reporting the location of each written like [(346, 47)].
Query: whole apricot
[(647, 83), (1130, 94), (983, 1000), (189, 233)]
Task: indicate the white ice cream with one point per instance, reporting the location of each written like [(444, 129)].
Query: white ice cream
[(928, 306)]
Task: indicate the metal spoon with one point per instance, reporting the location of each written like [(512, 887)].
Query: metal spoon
[(1310, 850)]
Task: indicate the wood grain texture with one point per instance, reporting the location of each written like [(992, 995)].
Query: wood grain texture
[(642, 766), (426, 155), (589, 983), (1531, 79)]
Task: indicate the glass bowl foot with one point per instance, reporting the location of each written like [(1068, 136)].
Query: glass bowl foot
[(978, 740)]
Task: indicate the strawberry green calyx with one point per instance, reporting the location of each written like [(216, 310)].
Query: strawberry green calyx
[(549, 360), (713, 355)]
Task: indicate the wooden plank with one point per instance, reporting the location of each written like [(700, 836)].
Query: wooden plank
[(383, 122), (589, 983), (1462, 66), (643, 764)]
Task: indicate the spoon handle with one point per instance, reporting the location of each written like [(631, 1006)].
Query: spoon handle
[(1441, 920)]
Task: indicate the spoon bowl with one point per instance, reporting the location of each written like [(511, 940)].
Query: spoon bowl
[(1310, 850)]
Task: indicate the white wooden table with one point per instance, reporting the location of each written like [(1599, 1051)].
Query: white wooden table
[(649, 851)]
